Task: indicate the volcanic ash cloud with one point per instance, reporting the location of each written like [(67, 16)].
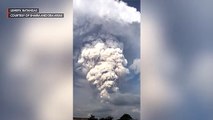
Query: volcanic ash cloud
[(100, 34), (104, 63)]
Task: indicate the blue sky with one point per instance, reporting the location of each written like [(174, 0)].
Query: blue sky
[(134, 3)]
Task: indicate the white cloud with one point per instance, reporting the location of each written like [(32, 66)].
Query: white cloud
[(135, 66), (108, 9)]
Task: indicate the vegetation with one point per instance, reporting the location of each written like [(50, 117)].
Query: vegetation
[(124, 117), (92, 117)]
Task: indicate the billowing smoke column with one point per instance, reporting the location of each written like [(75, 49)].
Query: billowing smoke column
[(102, 28), (102, 58)]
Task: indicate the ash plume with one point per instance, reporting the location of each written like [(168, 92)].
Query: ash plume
[(103, 60), (101, 33)]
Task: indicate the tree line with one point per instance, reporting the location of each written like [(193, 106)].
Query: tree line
[(123, 117)]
